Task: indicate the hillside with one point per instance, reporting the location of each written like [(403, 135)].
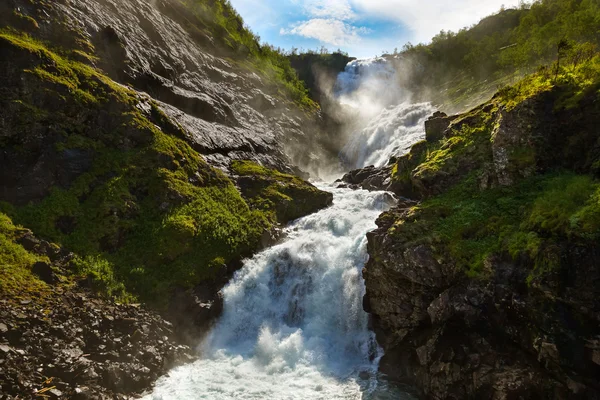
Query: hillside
[(459, 70), (490, 270), (118, 144)]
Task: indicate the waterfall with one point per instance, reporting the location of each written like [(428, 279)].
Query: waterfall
[(387, 123), (293, 326)]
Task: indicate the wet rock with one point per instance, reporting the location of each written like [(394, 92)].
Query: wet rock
[(369, 178), (195, 310), (45, 272), (436, 126)]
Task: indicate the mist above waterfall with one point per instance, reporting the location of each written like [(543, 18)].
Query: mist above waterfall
[(368, 86), (383, 121)]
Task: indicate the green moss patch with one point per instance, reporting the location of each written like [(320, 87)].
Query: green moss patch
[(16, 278), (467, 226), (281, 197)]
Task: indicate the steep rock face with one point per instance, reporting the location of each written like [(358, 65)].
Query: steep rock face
[(228, 111), (120, 176), (484, 289)]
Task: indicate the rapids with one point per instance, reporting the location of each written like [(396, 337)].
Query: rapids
[(387, 123), (293, 326)]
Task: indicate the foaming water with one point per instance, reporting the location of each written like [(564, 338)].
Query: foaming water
[(365, 86), (293, 326), (389, 134), (387, 123)]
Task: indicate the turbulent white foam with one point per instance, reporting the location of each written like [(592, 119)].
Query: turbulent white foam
[(365, 85), (391, 133), (293, 325), (387, 123)]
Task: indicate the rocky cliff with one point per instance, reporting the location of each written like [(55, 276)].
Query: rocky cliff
[(486, 285), (120, 121)]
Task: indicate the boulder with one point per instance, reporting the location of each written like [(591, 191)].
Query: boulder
[(436, 126)]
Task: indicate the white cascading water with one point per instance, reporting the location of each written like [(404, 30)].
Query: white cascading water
[(293, 326), (387, 123)]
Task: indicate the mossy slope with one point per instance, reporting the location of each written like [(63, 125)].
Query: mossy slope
[(95, 167), (16, 262), (516, 177), (282, 197)]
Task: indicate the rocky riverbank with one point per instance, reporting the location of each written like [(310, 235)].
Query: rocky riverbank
[(75, 345), (60, 339)]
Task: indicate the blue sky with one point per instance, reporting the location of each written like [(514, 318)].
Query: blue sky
[(364, 28)]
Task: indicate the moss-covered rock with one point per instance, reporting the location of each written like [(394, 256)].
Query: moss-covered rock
[(16, 263), (282, 197), (502, 247), (99, 169)]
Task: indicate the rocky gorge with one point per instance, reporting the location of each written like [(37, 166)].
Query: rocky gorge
[(153, 153)]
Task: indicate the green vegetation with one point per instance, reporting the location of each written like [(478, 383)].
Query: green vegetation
[(468, 218), (149, 214), (466, 65), (218, 19), (579, 78), (16, 277), (466, 226), (281, 197)]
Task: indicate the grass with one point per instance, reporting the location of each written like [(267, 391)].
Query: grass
[(16, 278), (466, 226)]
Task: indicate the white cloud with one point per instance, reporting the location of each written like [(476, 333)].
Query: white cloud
[(327, 30), (336, 9), (330, 22), (426, 18)]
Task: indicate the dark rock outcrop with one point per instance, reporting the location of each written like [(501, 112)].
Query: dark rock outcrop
[(436, 126), (61, 340), (369, 178), (522, 325), (456, 338), (81, 346)]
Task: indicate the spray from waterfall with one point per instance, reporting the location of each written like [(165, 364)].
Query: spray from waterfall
[(293, 326), (385, 122)]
